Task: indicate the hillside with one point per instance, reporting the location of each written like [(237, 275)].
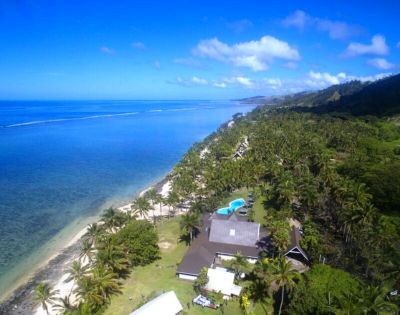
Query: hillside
[(340, 178)]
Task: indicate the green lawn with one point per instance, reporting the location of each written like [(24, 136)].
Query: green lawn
[(158, 277)]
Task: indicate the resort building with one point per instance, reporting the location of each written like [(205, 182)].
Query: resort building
[(220, 238), (221, 280), (295, 253), (166, 304)]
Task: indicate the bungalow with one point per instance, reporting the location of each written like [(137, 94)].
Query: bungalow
[(220, 238), (221, 280), (294, 251), (165, 304)]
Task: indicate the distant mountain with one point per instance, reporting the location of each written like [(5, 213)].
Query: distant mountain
[(380, 98)]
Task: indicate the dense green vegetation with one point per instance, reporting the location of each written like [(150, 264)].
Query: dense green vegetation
[(110, 250), (320, 158), (338, 174)]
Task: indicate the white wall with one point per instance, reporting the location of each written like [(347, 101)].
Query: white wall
[(229, 257), (187, 277)]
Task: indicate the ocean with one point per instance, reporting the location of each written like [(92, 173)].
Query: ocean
[(61, 162)]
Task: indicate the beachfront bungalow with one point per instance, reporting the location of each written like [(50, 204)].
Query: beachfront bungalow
[(221, 280), (164, 304), (221, 238), (294, 252)]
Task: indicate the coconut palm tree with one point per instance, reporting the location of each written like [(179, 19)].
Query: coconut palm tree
[(239, 264), (141, 207), (44, 295), (189, 224), (113, 256), (172, 200), (93, 233), (112, 219), (374, 301), (76, 272), (154, 197), (97, 288), (64, 305), (284, 275), (87, 250)]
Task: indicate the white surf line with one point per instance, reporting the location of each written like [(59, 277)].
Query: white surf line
[(37, 122)]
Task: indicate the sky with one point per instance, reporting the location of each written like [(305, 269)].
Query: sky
[(204, 49)]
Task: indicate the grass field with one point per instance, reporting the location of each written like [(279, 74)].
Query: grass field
[(149, 281), (158, 277)]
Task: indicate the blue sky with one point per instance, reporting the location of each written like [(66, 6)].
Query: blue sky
[(191, 49)]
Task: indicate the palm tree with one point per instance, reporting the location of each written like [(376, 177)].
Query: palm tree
[(93, 233), (172, 200), (76, 272), (375, 301), (141, 207), (44, 295), (111, 218), (284, 277), (239, 264), (64, 305), (154, 197), (96, 289), (87, 250), (113, 256), (189, 224)]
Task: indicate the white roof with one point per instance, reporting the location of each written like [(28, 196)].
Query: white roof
[(165, 304), (220, 280)]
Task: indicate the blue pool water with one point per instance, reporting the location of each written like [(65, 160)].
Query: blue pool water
[(63, 161), (233, 205)]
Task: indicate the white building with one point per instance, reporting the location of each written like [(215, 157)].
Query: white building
[(164, 304), (221, 280)]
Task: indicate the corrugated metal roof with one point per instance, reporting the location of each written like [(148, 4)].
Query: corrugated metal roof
[(235, 232), (165, 304)]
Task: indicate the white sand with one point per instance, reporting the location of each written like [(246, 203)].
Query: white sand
[(165, 190), (67, 288)]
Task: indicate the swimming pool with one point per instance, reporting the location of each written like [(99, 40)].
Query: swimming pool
[(233, 205)]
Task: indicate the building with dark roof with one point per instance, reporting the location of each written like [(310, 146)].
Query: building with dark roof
[(294, 250), (222, 236)]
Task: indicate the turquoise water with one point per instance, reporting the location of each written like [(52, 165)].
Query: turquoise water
[(233, 205), (61, 162)]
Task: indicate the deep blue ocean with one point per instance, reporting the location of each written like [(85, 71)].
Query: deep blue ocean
[(62, 161)]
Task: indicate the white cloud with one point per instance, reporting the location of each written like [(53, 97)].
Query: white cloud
[(381, 63), (240, 25), (313, 80), (297, 19), (319, 80), (199, 81), (244, 81), (256, 55), (221, 85), (107, 50), (157, 65), (336, 29), (322, 79), (377, 47), (189, 82), (139, 45)]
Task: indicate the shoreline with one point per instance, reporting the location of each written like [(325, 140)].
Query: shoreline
[(18, 301)]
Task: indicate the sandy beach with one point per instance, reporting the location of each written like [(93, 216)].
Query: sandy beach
[(53, 270)]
